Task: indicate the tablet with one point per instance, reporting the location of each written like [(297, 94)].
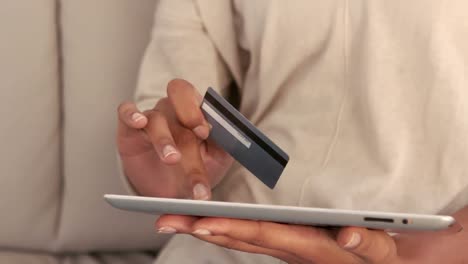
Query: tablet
[(395, 222)]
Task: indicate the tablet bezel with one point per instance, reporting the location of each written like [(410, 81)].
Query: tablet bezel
[(392, 222)]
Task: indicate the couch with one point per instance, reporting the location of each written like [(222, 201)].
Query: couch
[(65, 65)]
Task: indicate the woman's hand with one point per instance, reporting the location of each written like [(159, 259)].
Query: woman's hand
[(164, 150), (290, 243), (305, 244)]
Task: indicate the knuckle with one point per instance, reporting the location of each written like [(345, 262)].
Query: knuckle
[(162, 103), (258, 237), (155, 119), (388, 252), (152, 121), (232, 244), (195, 171), (154, 116), (174, 85), (186, 137), (377, 251), (158, 128), (192, 119)]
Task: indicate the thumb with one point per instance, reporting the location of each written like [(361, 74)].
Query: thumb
[(371, 245)]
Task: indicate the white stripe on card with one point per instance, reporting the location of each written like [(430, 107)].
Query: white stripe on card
[(226, 125)]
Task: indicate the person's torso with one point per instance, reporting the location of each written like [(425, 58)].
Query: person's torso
[(369, 98)]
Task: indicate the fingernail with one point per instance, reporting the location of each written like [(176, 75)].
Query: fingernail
[(202, 232), (166, 230), (201, 131), (353, 241), (200, 192), (137, 117), (168, 150)]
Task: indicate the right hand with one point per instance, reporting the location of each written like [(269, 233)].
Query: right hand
[(164, 150)]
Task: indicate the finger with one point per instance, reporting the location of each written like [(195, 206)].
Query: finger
[(230, 243), (175, 224), (372, 245), (186, 102), (130, 139), (313, 244), (169, 224), (130, 118), (161, 137), (192, 165), (197, 184)]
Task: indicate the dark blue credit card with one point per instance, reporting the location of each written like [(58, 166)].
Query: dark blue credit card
[(242, 140)]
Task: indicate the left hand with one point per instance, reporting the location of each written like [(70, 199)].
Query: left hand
[(290, 243)]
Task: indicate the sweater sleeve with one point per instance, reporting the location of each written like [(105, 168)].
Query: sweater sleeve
[(179, 48)]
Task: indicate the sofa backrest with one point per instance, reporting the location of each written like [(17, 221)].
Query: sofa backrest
[(30, 130), (64, 68)]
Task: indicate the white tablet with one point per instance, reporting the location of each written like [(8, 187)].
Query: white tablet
[(283, 214)]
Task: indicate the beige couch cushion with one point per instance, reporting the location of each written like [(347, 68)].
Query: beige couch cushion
[(12, 257), (53, 174), (102, 45), (30, 132)]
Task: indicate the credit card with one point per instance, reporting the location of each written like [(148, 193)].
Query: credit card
[(242, 140)]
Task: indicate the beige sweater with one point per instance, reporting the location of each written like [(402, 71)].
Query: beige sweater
[(369, 98)]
